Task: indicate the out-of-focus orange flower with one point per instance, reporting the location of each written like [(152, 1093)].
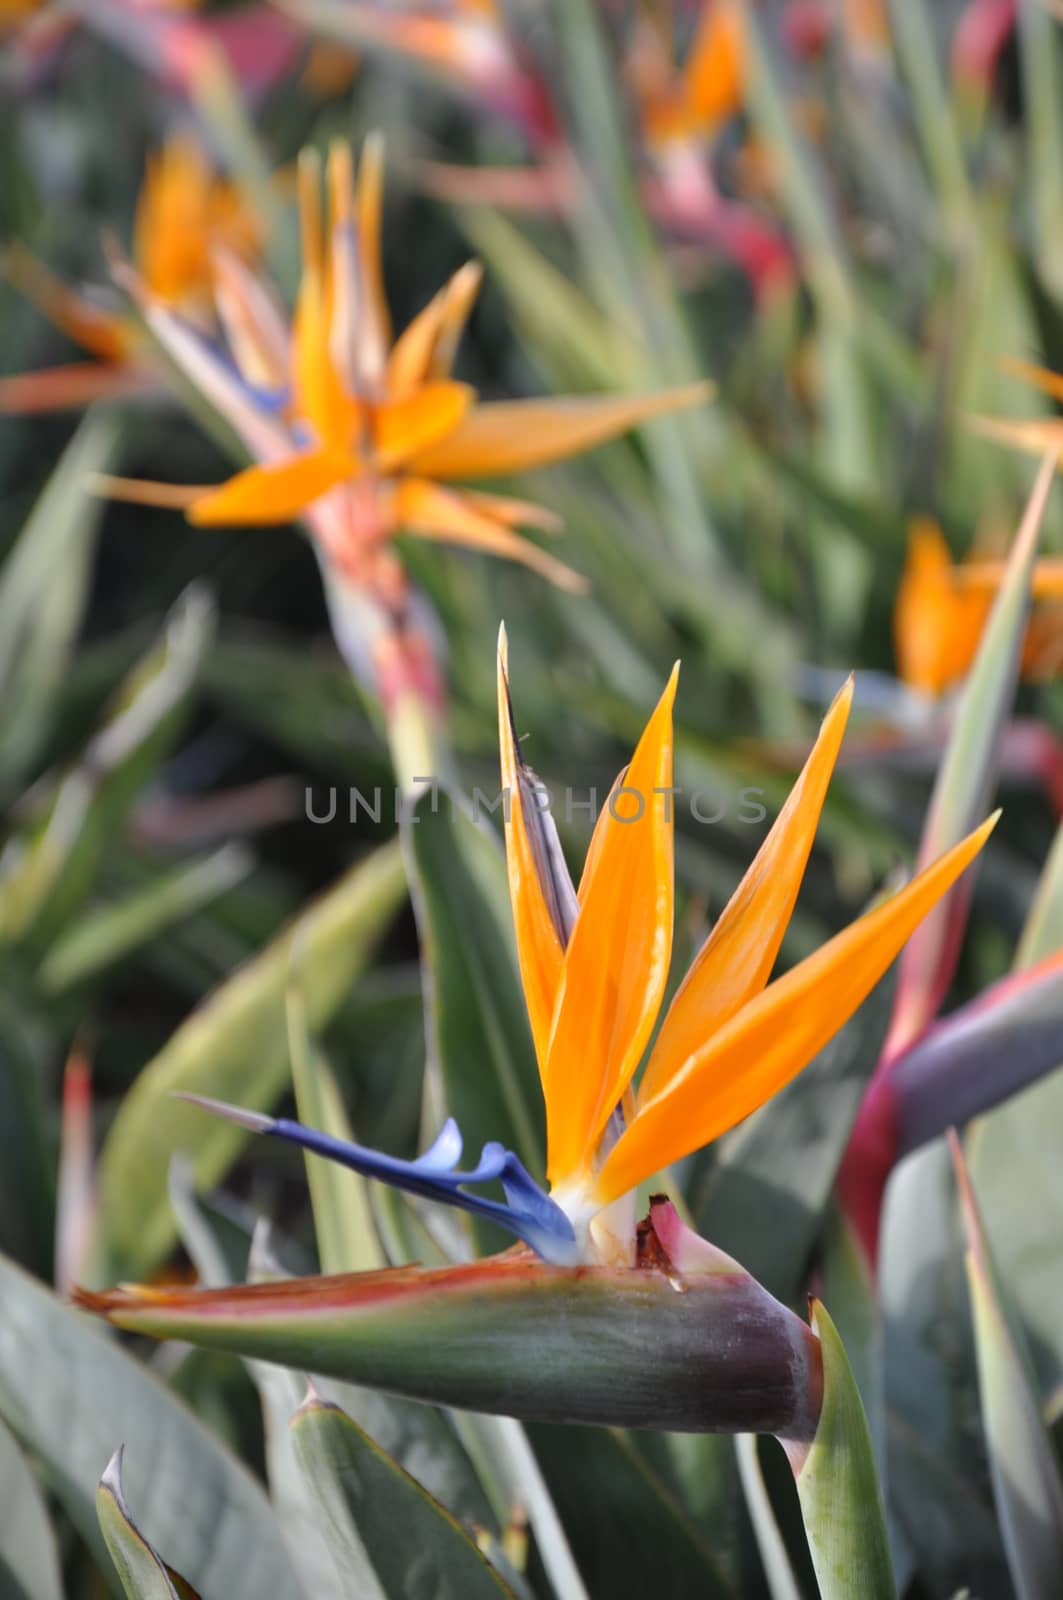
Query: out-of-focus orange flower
[(692, 101), (330, 69), (368, 434), (184, 212), (15, 11), (866, 24), (942, 607)]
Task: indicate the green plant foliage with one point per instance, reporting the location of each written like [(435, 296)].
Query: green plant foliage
[(375, 1513), (250, 841)]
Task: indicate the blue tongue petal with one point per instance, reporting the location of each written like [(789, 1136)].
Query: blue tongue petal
[(528, 1212)]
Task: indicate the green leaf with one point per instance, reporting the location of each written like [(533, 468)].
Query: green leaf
[(74, 812), (29, 1557), (281, 1392), (624, 1522), (1042, 79), (966, 778), (841, 1502), (1042, 931), (371, 1508), (1020, 1136), (27, 1155), (419, 1438), (234, 1045), (511, 1475), (480, 1048), (109, 934), (847, 1279), (930, 1383), (308, 705), (143, 1573), (1026, 1480), (67, 1393), (43, 592), (941, 1524), (915, 42), (770, 1542), (343, 1219)]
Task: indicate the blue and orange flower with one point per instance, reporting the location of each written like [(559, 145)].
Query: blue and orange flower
[(594, 962)]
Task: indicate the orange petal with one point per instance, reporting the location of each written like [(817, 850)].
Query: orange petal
[(1034, 435), (427, 347), (714, 74), (936, 629), (319, 393), (1042, 378), (1045, 584), (352, 347), (403, 428), (254, 325), (1042, 649), (736, 960), (106, 334), (274, 493), (370, 206), (170, 227), (616, 963), (74, 386), (459, 297), (538, 945), (430, 512), (514, 513), (147, 491), (311, 225), (594, 849), (768, 1042), (512, 435), (437, 41)]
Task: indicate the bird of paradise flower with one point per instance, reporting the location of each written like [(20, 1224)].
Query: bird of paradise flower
[(365, 435), (594, 963)]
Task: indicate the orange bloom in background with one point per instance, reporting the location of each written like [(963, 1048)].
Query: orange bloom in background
[(184, 212), (942, 607), (364, 433), (692, 101)]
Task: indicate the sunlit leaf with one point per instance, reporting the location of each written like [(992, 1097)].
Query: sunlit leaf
[(29, 1555), (838, 1488), (142, 1570), (369, 1506), (233, 1045), (43, 592), (202, 1505)]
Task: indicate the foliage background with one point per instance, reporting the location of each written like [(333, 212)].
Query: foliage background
[(757, 540)]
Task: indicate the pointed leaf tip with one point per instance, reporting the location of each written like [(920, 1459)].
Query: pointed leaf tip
[(254, 1121), (837, 1484), (111, 1477)]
